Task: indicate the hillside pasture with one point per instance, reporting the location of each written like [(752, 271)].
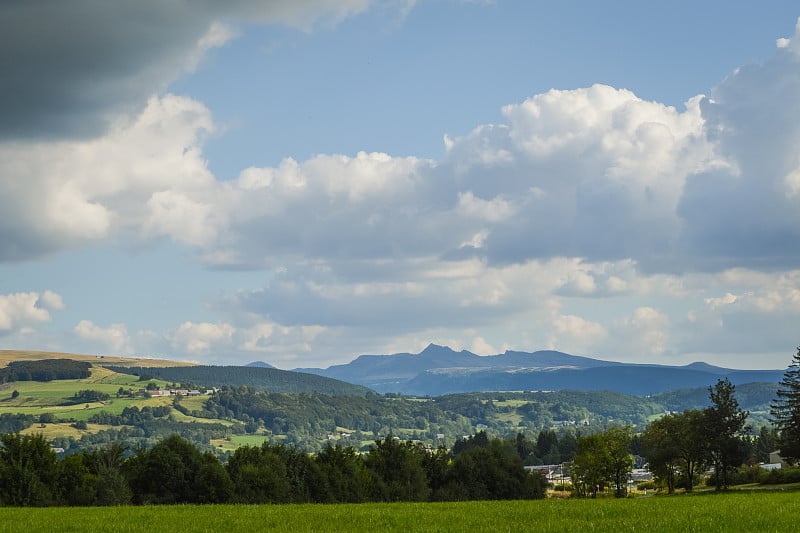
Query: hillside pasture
[(7, 356), (54, 397)]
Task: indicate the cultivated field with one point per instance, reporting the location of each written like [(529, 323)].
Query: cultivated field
[(760, 512)]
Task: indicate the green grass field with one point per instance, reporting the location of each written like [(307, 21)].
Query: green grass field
[(739, 511)]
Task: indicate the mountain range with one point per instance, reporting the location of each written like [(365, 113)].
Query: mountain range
[(440, 370)]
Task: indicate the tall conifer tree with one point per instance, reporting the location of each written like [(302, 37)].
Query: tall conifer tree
[(785, 411)]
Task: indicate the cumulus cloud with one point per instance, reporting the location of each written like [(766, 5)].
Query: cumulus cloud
[(576, 334), (586, 193), (746, 214), (595, 173), (73, 68), (746, 311), (23, 310), (199, 338), (113, 338), (147, 174), (645, 332)]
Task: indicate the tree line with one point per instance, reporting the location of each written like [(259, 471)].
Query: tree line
[(45, 370), (175, 471), (681, 447)]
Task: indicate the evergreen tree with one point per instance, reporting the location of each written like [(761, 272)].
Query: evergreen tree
[(785, 411), (724, 422)]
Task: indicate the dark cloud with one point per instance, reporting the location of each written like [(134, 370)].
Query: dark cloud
[(68, 68), (747, 215)]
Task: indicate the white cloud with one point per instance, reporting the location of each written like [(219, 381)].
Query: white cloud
[(587, 193), (201, 338), (576, 334), (113, 338), (791, 44), (23, 310), (497, 209), (645, 333), (57, 195)]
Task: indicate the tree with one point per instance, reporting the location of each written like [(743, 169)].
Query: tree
[(106, 464), (397, 471), (785, 411), (618, 440), (589, 467), (675, 448), (175, 471), (493, 472), (724, 422), (27, 470), (547, 448), (767, 441), (259, 475), (345, 475), (603, 459)]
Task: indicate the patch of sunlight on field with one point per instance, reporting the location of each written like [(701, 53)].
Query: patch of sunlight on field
[(511, 418), (180, 417), (62, 429), (194, 403), (235, 441)]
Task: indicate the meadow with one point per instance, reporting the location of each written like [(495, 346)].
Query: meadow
[(757, 511)]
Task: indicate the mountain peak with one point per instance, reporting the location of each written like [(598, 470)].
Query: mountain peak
[(432, 349), (259, 364)]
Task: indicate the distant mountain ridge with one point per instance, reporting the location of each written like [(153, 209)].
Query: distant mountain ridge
[(440, 370), (259, 364)]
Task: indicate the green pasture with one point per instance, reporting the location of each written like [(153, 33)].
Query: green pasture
[(51, 393), (739, 511), (38, 398)]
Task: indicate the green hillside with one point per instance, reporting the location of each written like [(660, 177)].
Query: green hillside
[(271, 379)]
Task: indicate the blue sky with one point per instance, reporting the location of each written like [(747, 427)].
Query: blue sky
[(303, 182)]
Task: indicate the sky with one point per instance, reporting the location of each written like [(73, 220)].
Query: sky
[(301, 182)]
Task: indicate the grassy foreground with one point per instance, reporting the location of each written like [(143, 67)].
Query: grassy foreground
[(741, 511)]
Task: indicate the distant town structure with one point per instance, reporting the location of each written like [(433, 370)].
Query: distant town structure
[(177, 392)]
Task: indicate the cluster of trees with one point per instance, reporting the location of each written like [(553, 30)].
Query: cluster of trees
[(15, 422), (550, 448), (678, 448), (681, 446), (603, 459), (175, 471), (308, 417), (88, 396), (45, 370)]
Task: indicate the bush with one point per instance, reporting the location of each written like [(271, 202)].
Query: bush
[(647, 485), (782, 475)]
